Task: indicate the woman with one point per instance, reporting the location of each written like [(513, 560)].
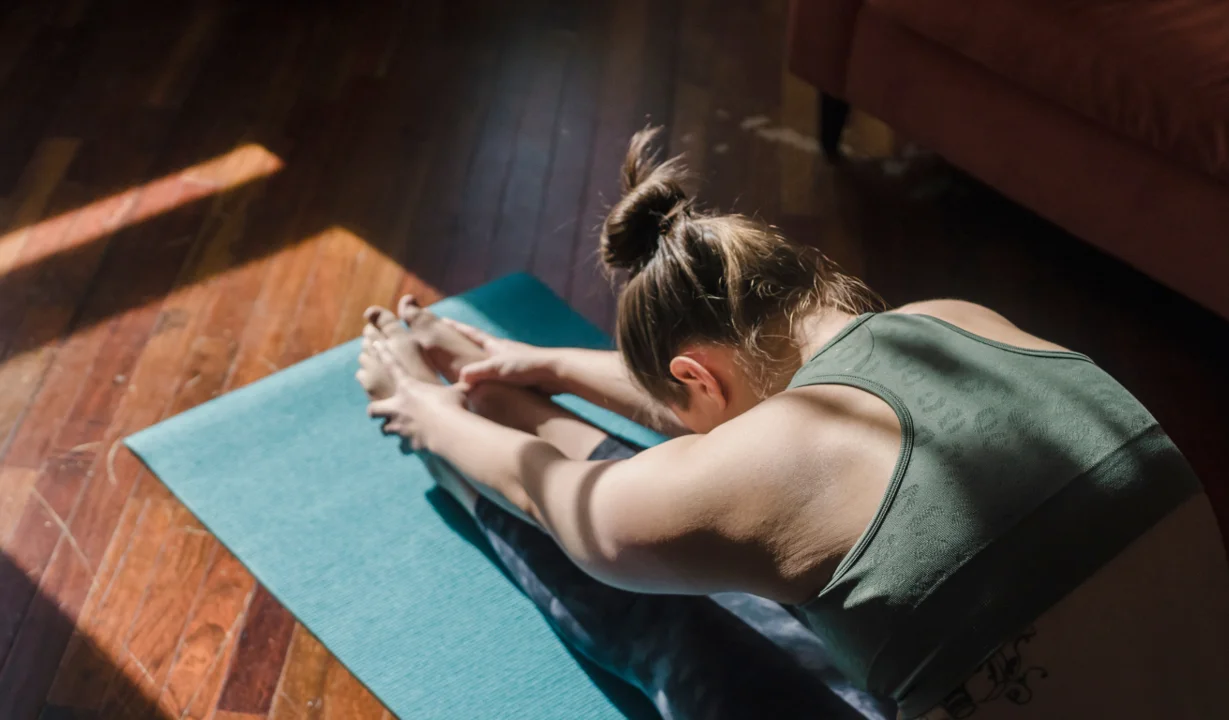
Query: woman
[(971, 519)]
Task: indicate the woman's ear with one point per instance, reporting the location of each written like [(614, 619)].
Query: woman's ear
[(702, 384)]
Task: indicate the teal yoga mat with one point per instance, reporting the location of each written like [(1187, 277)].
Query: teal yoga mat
[(346, 531)]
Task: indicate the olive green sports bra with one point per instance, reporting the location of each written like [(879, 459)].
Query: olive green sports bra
[(1021, 472)]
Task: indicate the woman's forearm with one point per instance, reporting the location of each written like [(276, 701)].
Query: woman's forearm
[(491, 455), (530, 473), (601, 377)]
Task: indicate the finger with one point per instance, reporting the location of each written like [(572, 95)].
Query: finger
[(386, 408), (477, 372), (472, 333)]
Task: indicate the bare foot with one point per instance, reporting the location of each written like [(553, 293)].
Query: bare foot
[(446, 348), (378, 382), (372, 375)]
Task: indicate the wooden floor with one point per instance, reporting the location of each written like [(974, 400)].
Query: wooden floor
[(196, 194)]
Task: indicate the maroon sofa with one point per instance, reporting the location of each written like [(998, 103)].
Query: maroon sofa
[(1109, 117)]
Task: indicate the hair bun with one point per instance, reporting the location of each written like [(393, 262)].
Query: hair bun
[(653, 198)]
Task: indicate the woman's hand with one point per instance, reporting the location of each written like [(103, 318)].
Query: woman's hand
[(511, 362), (414, 404)]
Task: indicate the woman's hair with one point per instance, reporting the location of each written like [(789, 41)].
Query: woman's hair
[(702, 277)]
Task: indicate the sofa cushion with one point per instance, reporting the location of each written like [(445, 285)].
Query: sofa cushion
[(1156, 71)]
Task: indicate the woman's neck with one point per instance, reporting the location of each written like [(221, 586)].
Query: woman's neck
[(808, 334), (789, 352), (818, 327)]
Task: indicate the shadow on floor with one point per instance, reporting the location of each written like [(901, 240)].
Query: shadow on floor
[(33, 636)]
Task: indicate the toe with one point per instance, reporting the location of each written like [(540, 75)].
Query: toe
[(413, 315), (384, 322)]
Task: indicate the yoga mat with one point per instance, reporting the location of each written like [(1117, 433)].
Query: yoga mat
[(346, 531)]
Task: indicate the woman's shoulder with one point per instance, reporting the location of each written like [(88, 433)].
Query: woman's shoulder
[(978, 320)]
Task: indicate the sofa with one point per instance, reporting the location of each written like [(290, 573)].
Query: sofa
[(1108, 117)]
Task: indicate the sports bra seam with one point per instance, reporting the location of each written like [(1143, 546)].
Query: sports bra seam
[(1006, 347), (841, 335), (904, 455)]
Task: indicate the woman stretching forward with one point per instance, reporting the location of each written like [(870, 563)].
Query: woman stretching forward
[(971, 520)]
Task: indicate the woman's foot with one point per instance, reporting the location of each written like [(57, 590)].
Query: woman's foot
[(378, 381), (372, 375), (445, 346)]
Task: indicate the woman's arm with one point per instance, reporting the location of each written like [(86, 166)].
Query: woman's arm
[(602, 378), (670, 520), (598, 376)]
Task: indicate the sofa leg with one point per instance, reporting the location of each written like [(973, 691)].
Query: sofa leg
[(833, 112)]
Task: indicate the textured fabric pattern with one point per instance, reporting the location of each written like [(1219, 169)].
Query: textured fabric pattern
[(1154, 71), (348, 533), (1020, 473)]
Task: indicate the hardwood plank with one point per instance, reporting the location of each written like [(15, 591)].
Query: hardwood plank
[(153, 638), (50, 407), (20, 376), (348, 699), (19, 380), (567, 187), (31, 665), (178, 68), (304, 681), (205, 702), (53, 292), (320, 307), (623, 70), (260, 345), (131, 691), (692, 71), (81, 651), (151, 649), (18, 33), (457, 132), (87, 679), (28, 95), (15, 486), (62, 475), (161, 262), (728, 158), (40, 179), (158, 367), (763, 36), (259, 657), (21, 569), (517, 227), (469, 253), (213, 627), (799, 184), (228, 715)]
